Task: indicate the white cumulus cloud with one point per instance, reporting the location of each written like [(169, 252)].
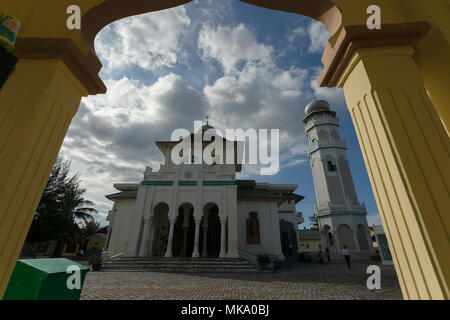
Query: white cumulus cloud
[(149, 41)]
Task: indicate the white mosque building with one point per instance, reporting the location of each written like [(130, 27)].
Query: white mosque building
[(201, 211), (341, 217)]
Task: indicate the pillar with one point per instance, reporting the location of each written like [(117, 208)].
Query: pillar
[(336, 241), (37, 104), (169, 253), (355, 238), (144, 249), (406, 150), (222, 238), (232, 222), (195, 253)]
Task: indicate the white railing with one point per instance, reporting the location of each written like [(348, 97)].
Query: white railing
[(106, 257), (321, 120), (327, 143)]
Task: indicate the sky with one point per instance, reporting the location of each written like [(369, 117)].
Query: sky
[(241, 65)]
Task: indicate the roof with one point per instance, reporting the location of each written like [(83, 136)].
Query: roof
[(247, 190), (252, 190), (309, 235), (122, 195)]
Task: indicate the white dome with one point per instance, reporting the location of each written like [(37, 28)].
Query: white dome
[(318, 105)]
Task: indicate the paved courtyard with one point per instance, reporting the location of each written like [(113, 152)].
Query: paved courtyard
[(301, 281)]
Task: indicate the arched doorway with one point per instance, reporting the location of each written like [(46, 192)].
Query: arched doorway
[(346, 238), (288, 238), (362, 238), (160, 229), (330, 243), (210, 232), (184, 231)]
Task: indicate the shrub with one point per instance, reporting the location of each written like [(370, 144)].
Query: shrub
[(95, 260)]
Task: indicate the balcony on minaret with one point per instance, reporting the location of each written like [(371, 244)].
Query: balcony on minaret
[(320, 120), (346, 208), (330, 143)]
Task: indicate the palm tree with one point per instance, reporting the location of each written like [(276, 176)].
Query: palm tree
[(75, 207)]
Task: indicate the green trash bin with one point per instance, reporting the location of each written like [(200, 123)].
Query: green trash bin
[(45, 279)]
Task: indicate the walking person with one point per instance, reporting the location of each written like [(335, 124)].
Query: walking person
[(346, 255), (327, 252), (320, 256)]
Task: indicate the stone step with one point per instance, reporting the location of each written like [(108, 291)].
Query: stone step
[(231, 263), (178, 265)]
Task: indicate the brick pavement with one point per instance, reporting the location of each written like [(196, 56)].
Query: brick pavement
[(299, 282)]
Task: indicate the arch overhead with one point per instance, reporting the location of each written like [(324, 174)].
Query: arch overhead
[(346, 238), (324, 11), (111, 10)]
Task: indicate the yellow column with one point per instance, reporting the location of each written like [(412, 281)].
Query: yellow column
[(406, 151), (37, 104)]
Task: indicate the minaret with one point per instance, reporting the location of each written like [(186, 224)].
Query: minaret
[(341, 218)]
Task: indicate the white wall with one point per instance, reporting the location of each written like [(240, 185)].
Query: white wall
[(268, 226), (122, 225)]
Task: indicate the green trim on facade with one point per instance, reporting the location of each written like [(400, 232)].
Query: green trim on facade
[(219, 183), (157, 183), (285, 211), (187, 183)]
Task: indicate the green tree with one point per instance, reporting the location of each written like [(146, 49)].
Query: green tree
[(61, 207), (90, 228)]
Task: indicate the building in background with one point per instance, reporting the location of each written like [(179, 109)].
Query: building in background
[(341, 217), (310, 241), (383, 246)]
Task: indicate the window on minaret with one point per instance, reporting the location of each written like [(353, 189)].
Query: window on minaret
[(253, 229), (331, 167)]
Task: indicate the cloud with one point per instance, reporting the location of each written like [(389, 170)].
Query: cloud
[(257, 95), (231, 46), (138, 41), (318, 35), (315, 32)]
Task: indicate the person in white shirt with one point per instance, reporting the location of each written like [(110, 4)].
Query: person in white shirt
[(346, 255)]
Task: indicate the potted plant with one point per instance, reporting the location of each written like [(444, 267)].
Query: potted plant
[(96, 262), (263, 260)]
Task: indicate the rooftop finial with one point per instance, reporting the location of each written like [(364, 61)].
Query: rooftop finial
[(207, 120)]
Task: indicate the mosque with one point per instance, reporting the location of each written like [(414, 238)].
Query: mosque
[(203, 211)]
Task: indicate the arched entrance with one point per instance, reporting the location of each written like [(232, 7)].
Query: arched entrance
[(184, 231), (346, 238), (288, 238), (330, 243), (160, 229), (210, 232)]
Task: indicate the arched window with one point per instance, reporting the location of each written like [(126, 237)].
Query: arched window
[(253, 228), (331, 166), (330, 239)]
